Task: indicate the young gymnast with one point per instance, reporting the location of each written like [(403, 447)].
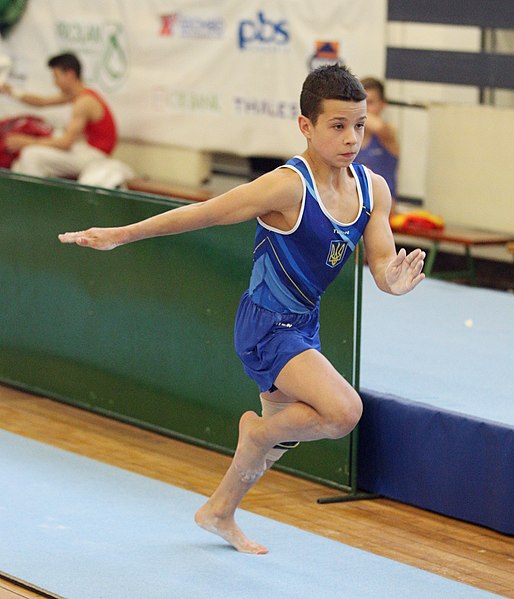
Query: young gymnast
[(380, 148), (310, 215)]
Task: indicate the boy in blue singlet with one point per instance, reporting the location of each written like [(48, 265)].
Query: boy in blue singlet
[(380, 148), (310, 215)]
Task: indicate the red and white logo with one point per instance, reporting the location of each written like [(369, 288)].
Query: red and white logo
[(167, 24)]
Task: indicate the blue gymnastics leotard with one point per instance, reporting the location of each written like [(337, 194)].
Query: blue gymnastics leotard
[(278, 315), (380, 160)]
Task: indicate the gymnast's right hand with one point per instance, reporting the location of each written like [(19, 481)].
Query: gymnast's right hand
[(96, 238)]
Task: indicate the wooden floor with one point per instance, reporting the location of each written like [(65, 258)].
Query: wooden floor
[(453, 549)]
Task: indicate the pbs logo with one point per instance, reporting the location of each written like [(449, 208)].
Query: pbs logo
[(262, 32)]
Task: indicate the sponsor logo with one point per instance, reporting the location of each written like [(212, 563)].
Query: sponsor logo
[(276, 109), (263, 33), (102, 47), (83, 34), (185, 101), (167, 24), (190, 27), (336, 253), (325, 53)]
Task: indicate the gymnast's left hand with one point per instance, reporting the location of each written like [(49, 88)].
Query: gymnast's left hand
[(95, 238), (403, 273)]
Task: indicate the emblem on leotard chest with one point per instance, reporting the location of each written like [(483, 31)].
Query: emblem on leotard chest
[(336, 253)]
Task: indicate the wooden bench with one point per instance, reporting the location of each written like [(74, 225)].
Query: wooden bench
[(466, 238), (144, 185), (166, 189)]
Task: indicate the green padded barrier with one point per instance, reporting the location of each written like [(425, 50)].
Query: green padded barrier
[(143, 333)]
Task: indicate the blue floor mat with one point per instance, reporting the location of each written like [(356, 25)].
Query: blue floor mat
[(81, 529)]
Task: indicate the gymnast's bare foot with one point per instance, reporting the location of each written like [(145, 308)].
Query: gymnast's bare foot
[(227, 529), (248, 465)]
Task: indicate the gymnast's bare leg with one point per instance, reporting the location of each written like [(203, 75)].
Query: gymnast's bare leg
[(321, 404)]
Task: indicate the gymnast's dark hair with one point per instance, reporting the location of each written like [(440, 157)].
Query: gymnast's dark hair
[(66, 62), (332, 82)]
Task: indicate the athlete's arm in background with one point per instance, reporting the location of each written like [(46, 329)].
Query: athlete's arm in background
[(385, 132), (277, 192), (393, 273), (73, 132), (35, 99)]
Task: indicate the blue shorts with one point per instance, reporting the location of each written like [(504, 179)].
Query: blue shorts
[(265, 340)]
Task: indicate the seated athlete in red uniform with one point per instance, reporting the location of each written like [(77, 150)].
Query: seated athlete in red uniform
[(89, 135)]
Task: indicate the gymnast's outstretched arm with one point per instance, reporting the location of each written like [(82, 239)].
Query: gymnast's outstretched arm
[(279, 191)]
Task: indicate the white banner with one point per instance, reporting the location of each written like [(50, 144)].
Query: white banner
[(214, 76)]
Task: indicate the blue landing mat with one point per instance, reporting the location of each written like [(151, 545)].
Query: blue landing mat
[(447, 345), (437, 380), (81, 529)]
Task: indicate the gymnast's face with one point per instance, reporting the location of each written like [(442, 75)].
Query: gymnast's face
[(375, 102), (337, 134), (63, 78)]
